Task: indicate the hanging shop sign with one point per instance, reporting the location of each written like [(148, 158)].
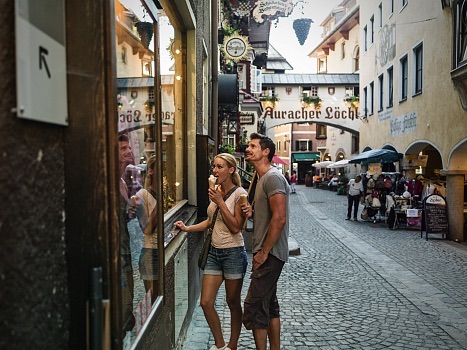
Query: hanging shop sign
[(236, 47), (272, 9)]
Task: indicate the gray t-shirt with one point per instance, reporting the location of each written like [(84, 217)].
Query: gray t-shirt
[(269, 184)]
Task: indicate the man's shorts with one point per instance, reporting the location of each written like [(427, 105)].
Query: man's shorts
[(228, 262), (261, 304)]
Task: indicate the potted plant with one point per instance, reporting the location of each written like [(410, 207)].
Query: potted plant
[(226, 148), (315, 100), (243, 143), (352, 100), (149, 105), (269, 99)]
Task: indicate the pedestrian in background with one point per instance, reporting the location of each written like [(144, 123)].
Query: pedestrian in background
[(355, 190), (270, 243), (227, 256), (293, 181)]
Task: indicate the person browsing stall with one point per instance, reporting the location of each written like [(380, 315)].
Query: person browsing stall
[(355, 190)]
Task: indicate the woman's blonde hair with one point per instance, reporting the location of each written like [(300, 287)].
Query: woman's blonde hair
[(231, 163), (150, 165)]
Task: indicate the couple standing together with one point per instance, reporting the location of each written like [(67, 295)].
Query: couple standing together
[(227, 258)]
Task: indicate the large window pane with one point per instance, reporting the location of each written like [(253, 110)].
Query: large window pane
[(138, 112)]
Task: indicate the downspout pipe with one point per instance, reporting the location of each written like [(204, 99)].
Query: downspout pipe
[(215, 75)]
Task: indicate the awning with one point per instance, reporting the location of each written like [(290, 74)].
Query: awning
[(338, 164), (279, 160), (305, 157), (377, 156), (322, 164)]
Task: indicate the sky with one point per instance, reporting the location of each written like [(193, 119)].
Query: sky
[(284, 40)]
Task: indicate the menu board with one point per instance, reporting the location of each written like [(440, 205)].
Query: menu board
[(436, 215)]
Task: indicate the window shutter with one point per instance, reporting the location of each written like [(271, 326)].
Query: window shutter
[(310, 144), (297, 145)]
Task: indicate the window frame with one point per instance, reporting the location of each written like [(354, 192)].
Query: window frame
[(418, 69), (390, 74), (381, 92), (404, 77)]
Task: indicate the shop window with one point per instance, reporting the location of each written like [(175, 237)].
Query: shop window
[(151, 134)]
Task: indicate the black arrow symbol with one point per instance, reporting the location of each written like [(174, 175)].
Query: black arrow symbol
[(42, 52)]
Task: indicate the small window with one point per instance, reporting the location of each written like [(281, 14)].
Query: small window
[(343, 50), (380, 10), (381, 92), (390, 87), (404, 4), (372, 98), (391, 7), (418, 61), (365, 97), (365, 38), (404, 74), (124, 55), (372, 28)]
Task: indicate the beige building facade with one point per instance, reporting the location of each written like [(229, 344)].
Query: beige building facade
[(407, 96)]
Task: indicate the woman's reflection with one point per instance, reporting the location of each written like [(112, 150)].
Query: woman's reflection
[(143, 205)]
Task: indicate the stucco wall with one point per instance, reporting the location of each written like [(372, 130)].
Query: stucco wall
[(33, 293), (440, 118)]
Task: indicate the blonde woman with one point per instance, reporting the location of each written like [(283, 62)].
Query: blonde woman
[(143, 206), (227, 257)]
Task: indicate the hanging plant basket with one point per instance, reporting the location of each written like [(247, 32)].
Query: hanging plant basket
[(145, 32), (302, 28)]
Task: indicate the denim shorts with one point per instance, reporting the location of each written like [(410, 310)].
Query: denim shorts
[(228, 262), (149, 264)]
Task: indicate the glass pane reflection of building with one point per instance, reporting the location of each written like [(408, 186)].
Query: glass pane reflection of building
[(140, 33)]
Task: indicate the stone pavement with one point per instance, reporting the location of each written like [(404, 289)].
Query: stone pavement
[(359, 285)]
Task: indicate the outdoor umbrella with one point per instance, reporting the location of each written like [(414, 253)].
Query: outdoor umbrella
[(377, 156), (338, 164), (279, 160), (322, 164)]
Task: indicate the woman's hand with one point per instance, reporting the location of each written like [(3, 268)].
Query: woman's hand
[(247, 210), (180, 225), (131, 212), (215, 196)]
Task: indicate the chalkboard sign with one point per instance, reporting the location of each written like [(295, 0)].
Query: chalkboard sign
[(436, 215)]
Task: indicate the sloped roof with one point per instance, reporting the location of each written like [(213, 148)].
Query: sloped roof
[(310, 79), (276, 61)]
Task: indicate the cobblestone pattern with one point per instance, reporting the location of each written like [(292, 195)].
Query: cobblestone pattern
[(359, 285)]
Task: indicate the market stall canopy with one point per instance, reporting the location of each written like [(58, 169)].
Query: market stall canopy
[(279, 160), (377, 156), (338, 164), (322, 164)]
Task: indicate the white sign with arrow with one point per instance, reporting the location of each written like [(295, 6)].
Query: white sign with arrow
[(41, 61)]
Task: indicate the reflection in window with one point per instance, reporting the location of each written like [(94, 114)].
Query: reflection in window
[(136, 119)]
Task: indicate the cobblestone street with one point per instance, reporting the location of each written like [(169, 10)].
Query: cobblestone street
[(359, 285)]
